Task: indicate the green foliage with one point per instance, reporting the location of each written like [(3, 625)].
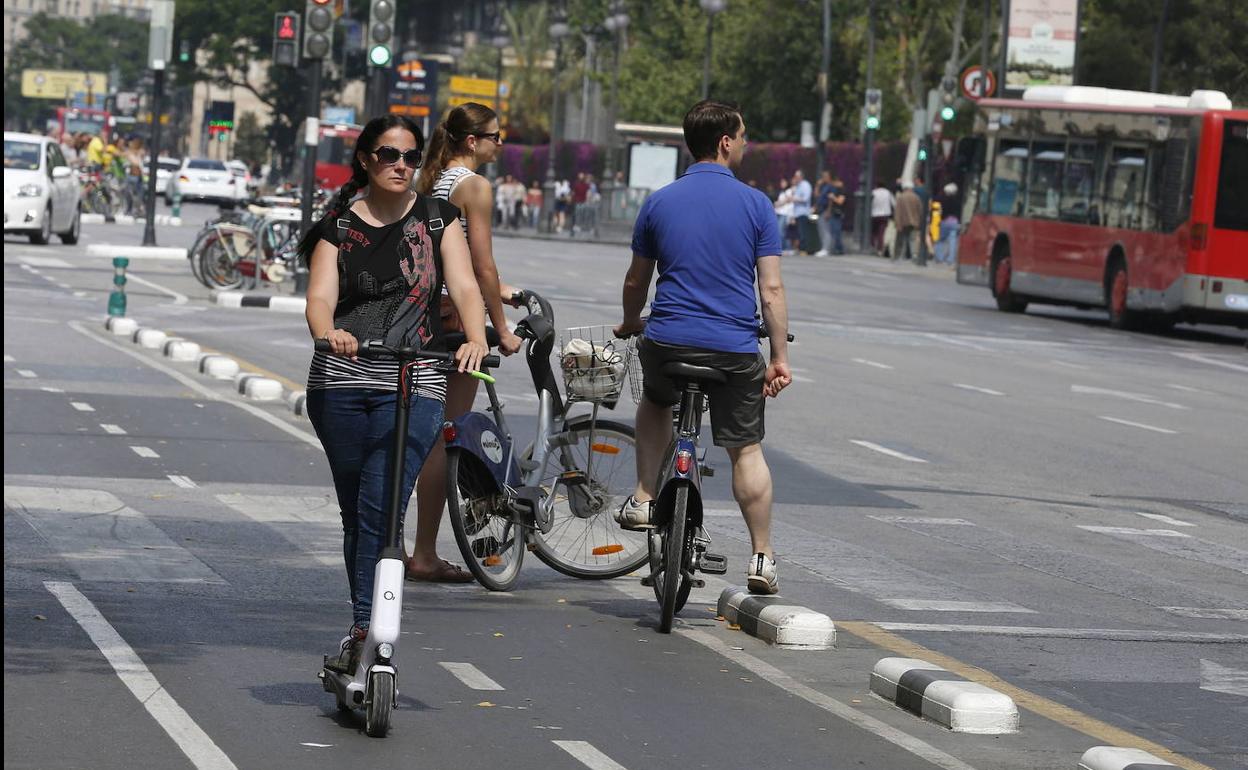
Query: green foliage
[(251, 143)]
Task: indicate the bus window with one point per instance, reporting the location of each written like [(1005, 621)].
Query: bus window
[(1231, 209), (1078, 179), (1124, 186), (1045, 185), (1169, 186), (1009, 170)]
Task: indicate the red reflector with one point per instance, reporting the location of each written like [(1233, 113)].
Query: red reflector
[(448, 432), (684, 460), (1200, 236)]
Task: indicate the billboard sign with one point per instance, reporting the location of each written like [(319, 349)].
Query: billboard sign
[(1041, 43), (63, 84), (413, 88)]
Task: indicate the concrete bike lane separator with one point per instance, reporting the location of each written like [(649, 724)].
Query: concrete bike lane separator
[(267, 301), (768, 619), (135, 252), (258, 388), (1117, 758), (929, 691)]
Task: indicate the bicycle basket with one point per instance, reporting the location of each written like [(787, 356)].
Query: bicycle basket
[(594, 363)]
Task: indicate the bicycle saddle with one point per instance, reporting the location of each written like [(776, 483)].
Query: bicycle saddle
[(455, 339), (683, 371)]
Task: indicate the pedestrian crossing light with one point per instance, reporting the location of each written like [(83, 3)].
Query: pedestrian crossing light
[(318, 28), (184, 51), (948, 96), (286, 39), (922, 153), (872, 109), (380, 32)]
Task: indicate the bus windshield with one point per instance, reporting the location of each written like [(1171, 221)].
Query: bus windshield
[(1231, 211)]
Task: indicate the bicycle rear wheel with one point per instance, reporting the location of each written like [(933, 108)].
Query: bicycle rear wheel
[(590, 482), (490, 540), (218, 263), (671, 585)]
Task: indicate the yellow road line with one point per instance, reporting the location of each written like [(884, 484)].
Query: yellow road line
[(1052, 710)]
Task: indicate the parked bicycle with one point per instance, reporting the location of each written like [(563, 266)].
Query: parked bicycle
[(228, 249), (558, 495)]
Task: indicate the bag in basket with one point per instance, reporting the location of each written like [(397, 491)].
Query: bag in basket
[(592, 372)]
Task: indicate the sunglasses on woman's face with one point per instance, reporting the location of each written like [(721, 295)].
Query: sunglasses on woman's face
[(388, 156), (496, 137)]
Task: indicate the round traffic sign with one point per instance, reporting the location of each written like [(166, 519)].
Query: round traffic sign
[(971, 79)]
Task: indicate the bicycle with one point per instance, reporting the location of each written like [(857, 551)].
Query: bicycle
[(678, 545), (556, 497), (227, 249)]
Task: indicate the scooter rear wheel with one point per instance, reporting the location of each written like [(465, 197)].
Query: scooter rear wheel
[(380, 705)]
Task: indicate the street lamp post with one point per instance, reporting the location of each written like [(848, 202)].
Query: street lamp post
[(617, 21), (558, 31), (711, 7), (501, 40)]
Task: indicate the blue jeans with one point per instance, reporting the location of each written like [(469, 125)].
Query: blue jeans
[(946, 249), (833, 227), (356, 427)]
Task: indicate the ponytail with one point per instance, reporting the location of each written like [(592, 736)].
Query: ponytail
[(450, 139), (441, 150)]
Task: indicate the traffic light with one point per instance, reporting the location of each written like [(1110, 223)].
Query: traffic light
[(318, 28), (286, 39), (380, 34), (873, 108), (922, 150), (184, 51), (948, 96)]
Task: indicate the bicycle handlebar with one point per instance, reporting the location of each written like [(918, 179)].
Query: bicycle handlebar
[(377, 350)]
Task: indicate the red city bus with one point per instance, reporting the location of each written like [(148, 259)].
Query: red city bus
[(334, 149), (74, 120), (1092, 197)]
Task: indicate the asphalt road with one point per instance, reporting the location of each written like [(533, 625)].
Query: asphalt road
[(1037, 497)]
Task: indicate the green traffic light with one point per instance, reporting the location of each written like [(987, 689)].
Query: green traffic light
[(947, 114), (922, 154), (873, 123), (379, 56)]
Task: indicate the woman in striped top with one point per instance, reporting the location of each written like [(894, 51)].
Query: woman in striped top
[(467, 139), (377, 269)]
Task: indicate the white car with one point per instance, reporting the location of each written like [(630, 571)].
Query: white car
[(41, 192), (203, 179), (165, 169), (249, 184)]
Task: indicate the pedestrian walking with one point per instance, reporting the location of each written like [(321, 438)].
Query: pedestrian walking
[(533, 204), (580, 195), (909, 220), (946, 250), (882, 201), (563, 204), (832, 215), (802, 194)]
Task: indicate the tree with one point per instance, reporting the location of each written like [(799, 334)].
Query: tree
[(251, 143)]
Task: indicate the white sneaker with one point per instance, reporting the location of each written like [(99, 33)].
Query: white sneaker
[(820, 253), (761, 576), (634, 515)]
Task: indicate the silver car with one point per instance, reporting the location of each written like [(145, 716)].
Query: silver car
[(41, 192)]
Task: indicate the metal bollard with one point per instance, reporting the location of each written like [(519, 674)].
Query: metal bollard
[(177, 203), (117, 298)]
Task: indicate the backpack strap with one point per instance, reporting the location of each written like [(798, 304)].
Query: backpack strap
[(436, 226)]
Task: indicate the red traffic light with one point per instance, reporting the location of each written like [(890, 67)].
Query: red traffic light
[(286, 28)]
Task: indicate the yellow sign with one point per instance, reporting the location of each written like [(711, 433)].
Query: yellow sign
[(475, 86), (60, 84)]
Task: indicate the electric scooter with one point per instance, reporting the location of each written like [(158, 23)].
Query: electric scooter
[(373, 685)]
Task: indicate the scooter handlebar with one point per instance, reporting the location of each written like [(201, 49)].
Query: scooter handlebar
[(376, 349)]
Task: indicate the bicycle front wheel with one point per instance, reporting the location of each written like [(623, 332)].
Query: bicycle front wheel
[(670, 584), (489, 539), (590, 478)]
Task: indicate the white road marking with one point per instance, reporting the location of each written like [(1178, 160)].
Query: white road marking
[(143, 451), (1164, 519), (8, 359), (1144, 426), (588, 755), (922, 520), (116, 430), (1186, 388), (44, 262), (936, 605), (1212, 361), (1209, 613), (471, 676), (1068, 364), (311, 524), (886, 451), (955, 341), (1108, 634), (183, 481), (868, 362), (977, 389), (178, 297), (50, 389), (1215, 677), (80, 294), (28, 374), (189, 737), (1173, 543), (82, 406), (1137, 397), (1132, 532)]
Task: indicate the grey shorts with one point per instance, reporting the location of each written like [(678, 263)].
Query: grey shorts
[(736, 406)]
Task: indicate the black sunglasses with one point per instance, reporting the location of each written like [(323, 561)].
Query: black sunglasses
[(496, 137), (388, 156)]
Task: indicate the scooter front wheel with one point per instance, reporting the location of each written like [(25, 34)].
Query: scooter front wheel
[(380, 705)]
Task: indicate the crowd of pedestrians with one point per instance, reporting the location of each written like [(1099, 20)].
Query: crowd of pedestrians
[(574, 210)]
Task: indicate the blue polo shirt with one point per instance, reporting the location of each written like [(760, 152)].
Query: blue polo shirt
[(706, 231)]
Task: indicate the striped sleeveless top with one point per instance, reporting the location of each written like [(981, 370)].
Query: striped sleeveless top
[(446, 183)]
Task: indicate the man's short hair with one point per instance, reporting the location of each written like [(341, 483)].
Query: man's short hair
[(708, 121)]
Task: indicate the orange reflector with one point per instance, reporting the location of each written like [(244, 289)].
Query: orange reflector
[(492, 561), (606, 449), (606, 550)]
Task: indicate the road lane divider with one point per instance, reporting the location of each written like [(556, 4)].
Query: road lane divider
[(471, 676), (217, 366), (258, 388), (1141, 425), (274, 302), (152, 339), (135, 252), (178, 349), (587, 755), (769, 619), (1117, 758), (941, 696), (874, 447), (189, 737)]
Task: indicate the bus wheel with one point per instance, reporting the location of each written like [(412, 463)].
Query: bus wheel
[(1119, 316), (1006, 300)]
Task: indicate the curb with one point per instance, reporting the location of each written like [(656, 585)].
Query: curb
[(929, 691), (121, 326), (218, 367), (178, 349), (784, 625), (164, 220), (268, 301), (258, 388), (149, 338), (135, 252), (1115, 758)]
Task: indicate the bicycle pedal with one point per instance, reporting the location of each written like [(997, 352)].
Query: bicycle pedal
[(713, 564), (647, 581), (574, 478)]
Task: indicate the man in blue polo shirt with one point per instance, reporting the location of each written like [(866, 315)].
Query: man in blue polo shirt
[(711, 236)]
